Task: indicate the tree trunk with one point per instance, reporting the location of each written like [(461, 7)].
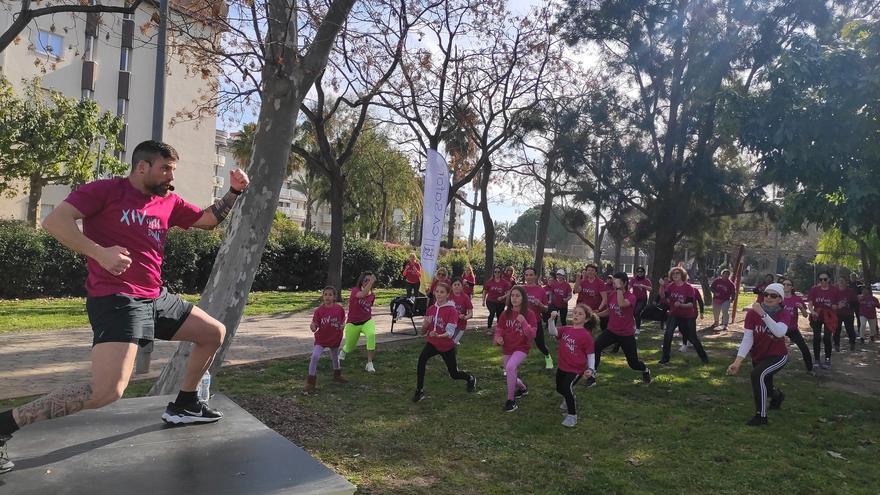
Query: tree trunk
[(618, 247), (335, 256), (869, 261), (664, 250), (704, 278), (308, 227), (488, 223), (597, 250), (286, 78), (473, 220), (384, 216), (544, 221), (35, 194), (450, 234)]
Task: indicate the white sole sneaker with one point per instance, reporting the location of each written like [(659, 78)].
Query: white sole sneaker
[(370, 368)]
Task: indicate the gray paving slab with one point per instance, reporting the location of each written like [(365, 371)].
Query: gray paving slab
[(126, 449)]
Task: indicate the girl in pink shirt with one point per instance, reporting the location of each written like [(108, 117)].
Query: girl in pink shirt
[(575, 354), (514, 333), (463, 305), (537, 299), (793, 304), (621, 327), (469, 280), (868, 305), (327, 323), (495, 291), (439, 328)]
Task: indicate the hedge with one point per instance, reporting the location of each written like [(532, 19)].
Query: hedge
[(34, 264)]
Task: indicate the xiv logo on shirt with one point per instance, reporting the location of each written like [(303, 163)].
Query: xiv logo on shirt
[(570, 344), (137, 217)]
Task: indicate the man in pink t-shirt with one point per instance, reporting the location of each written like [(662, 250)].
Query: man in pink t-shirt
[(125, 223)]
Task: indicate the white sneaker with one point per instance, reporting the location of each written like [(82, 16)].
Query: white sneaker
[(570, 420), (370, 368), (683, 348), (342, 354), (504, 372)]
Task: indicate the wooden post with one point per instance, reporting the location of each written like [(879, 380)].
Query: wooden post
[(737, 279), (142, 361)]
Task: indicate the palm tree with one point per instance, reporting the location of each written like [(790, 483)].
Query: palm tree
[(242, 145), (313, 186)]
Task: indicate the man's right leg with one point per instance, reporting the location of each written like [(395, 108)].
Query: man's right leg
[(112, 364)]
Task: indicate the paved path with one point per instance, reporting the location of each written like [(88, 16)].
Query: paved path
[(35, 363)]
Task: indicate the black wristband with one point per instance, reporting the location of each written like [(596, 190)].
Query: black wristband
[(235, 191)]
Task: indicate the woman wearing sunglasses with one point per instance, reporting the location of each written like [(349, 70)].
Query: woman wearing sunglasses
[(794, 304), (822, 305), (764, 338), (495, 291), (683, 300)]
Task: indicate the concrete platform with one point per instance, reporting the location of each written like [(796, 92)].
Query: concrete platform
[(127, 449)]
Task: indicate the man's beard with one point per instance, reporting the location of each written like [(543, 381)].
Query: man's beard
[(161, 189)]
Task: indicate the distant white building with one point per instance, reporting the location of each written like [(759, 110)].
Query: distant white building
[(291, 203)]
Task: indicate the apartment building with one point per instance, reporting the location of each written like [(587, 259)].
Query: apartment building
[(111, 59)]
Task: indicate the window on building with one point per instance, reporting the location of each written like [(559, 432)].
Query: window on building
[(125, 59), (50, 44), (87, 94), (45, 210), (89, 48)]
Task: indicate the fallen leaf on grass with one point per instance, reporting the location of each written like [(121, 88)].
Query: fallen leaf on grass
[(836, 455), (634, 461), (588, 456)]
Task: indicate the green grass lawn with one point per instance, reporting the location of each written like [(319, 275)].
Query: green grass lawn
[(684, 433), (60, 313)]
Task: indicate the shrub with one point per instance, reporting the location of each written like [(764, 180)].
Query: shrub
[(22, 259), (189, 257)]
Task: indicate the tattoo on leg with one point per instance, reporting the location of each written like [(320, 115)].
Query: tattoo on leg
[(63, 402)]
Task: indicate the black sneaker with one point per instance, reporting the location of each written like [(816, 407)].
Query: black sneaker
[(510, 406), (590, 382), (663, 362), (757, 420), (5, 464), (776, 401), (180, 415), (472, 383), (646, 376), (836, 347), (521, 393), (852, 347), (418, 396)]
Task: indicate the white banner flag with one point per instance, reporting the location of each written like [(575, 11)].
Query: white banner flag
[(433, 214)]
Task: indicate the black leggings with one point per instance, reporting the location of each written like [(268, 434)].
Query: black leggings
[(495, 309), (628, 344), (848, 322), (563, 314), (640, 306), (412, 289), (565, 383), (795, 335), (820, 336), (688, 328), (430, 351), (539, 338), (762, 381)]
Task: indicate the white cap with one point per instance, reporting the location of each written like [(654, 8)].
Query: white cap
[(777, 288), (560, 272)]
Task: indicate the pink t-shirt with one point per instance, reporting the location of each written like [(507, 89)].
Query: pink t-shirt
[(868, 306), (462, 305), (640, 287), (412, 272), (590, 292), (766, 344), (823, 298), (722, 290), (517, 335), (575, 346), (621, 320), (536, 294), (360, 309), (683, 294), (117, 214), (560, 290), (790, 304), (495, 289), (444, 316), (469, 281), (330, 320), (845, 297)]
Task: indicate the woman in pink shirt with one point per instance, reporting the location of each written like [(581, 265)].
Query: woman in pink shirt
[(764, 338), (723, 291), (439, 327), (464, 307), (514, 333), (576, 356), (495, 291), (794, 305), (560, 296), (469, 280), (847, 305), (683, 301), (868, 305), (537, 298), (822, 306), (621, 327), (412, 273)]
